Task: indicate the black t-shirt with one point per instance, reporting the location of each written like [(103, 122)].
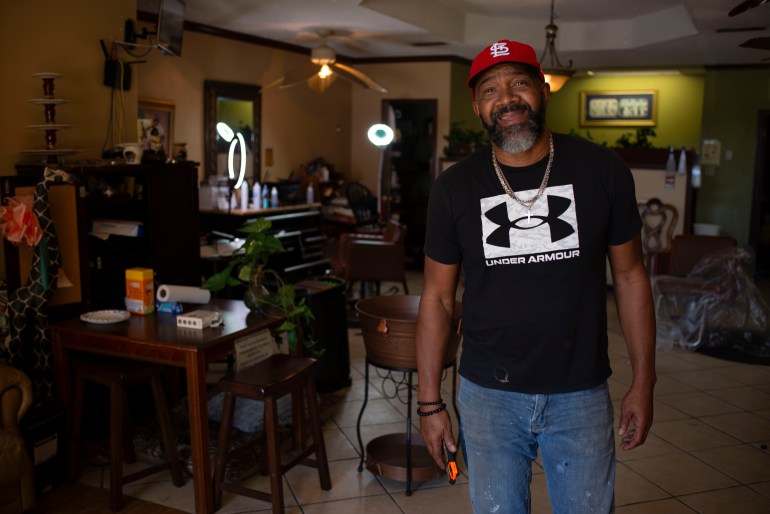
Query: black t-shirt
[(534, 305)]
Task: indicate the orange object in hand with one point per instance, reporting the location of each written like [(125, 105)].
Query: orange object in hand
[(451, 465)]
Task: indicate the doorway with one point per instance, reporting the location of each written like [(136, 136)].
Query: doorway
[(759, 231), (409, 163)]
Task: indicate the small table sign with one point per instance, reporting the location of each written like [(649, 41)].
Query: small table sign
[(253, 348)]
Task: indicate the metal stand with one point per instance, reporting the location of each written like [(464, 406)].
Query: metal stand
[(430, 470)]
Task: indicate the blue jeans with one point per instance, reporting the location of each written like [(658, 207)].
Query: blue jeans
[(501, 434)]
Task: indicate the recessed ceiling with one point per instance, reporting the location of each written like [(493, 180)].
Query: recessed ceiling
[(594, 34)]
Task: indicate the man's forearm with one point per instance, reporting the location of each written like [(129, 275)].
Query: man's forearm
[(433, 328), (637, 319)]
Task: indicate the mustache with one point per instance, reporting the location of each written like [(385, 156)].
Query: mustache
[(511, 108)]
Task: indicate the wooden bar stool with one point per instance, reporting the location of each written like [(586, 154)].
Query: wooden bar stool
[(267, 381), (118, 375)]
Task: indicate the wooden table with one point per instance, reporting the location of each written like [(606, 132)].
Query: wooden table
[(155, 338)]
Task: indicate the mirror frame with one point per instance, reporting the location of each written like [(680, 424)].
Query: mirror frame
[(212, 91)]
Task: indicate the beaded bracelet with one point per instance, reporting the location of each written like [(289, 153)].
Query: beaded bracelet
[(426, 404), (430, 413)]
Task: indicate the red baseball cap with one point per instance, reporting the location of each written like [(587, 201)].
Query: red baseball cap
[(500, 52)]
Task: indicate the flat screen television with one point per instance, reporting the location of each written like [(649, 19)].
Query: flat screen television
[(171, 26)]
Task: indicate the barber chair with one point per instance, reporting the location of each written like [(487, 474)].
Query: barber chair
[(704, 277), (373, 258), (658, 223)]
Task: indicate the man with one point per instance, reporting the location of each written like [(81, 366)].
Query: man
[(531, 219)]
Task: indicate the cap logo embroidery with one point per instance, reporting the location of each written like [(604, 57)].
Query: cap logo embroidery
[(499, 49)]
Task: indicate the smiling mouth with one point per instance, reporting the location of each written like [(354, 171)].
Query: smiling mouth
[(511, 115)]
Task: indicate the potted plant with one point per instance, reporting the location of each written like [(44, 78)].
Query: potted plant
[(247, 266), (461, 142), (641, 151)]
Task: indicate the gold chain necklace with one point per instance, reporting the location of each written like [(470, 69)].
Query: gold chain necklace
[(526, 203)]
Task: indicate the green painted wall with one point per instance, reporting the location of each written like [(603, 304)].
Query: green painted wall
[(461, 108), (730, 114), (680, 101)]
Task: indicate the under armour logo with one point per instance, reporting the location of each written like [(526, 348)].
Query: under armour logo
[(499, 49), (560, 229)]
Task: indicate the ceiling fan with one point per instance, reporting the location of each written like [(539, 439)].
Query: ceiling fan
[(745, 6), (323, 69), (759, 43)]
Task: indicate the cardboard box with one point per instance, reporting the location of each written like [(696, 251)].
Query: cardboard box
[(140, 291)]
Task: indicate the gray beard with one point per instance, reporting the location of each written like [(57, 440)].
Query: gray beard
[(516, 138)]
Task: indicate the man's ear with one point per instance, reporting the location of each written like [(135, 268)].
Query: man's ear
[(476, 107), (546, 91)]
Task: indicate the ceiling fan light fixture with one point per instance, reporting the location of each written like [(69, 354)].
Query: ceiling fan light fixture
[(325, 71), (320, 84), (322, 55), (556, 74)]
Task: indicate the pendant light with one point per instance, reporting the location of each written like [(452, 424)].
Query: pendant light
[(555, 73)]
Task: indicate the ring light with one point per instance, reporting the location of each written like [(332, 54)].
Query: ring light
[(380, 134)]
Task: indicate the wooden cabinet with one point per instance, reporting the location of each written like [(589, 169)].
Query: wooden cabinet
[(161, 203), (160, 200)]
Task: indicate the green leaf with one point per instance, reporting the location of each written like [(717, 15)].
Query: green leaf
[(293, 340), (218, 280), (259, 225), (245, 273), (286, 326)]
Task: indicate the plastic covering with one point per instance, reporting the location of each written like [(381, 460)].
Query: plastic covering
[(716, 306)]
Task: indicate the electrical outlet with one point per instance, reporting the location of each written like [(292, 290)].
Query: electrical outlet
[(710, 152)]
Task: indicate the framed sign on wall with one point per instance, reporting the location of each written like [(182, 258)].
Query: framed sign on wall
[(618, 108)]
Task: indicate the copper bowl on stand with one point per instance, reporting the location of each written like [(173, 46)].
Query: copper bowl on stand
[(389, 326)]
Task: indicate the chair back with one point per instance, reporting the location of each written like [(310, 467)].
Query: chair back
[(378, 259), (688, 250), (363, 204), (658, 224), (394, 232)]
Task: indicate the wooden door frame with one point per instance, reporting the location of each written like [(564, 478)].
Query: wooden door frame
[(760, 164)]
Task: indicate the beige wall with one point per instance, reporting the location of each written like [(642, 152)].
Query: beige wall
[(56, 36), (298, 124), (53, 36)]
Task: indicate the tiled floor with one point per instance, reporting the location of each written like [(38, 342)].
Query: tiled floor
[(707, 451)]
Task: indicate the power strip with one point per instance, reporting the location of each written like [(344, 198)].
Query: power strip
[(199, 319)]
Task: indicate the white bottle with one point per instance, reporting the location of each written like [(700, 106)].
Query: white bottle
[(244, 195), (265, 197), (696, 179), (274, 197), (256, 195), (309, 194), (671, 162), (682, 170), (233, 200)]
